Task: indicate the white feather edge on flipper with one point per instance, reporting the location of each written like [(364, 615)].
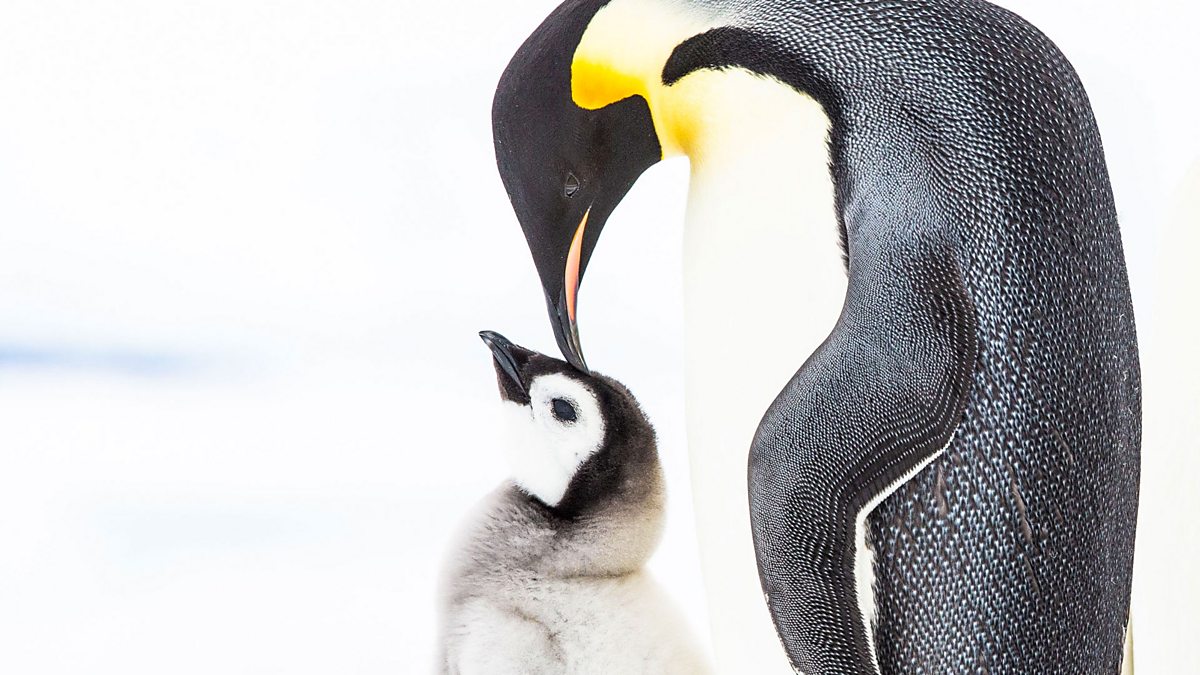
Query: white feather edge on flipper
[(864, 556)]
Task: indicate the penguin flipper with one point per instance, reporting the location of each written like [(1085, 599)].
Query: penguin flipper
[(876, 402)]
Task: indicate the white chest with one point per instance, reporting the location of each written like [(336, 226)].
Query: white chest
[(764, 284)]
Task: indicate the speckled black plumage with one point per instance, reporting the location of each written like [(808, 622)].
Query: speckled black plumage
[(988, 303), (988, 315)]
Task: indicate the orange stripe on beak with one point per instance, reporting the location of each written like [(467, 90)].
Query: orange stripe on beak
[(571, 276)]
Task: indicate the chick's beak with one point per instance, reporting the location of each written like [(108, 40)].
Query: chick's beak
[(510, 360)]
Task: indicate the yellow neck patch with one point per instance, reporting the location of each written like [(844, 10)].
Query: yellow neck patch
[(706, 114), (595, 84), (622, 54)]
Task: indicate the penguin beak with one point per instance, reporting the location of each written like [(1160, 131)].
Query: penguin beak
[(563, 308), (509, 360)]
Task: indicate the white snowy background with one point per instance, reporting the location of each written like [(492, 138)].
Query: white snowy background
[(245, 248)]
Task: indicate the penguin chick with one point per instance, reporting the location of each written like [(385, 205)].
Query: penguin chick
[(548, 577)]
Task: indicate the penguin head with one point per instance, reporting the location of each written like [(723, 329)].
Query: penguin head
[(577, 440), (565, 167)]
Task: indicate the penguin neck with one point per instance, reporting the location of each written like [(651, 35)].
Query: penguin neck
[(761, 200), (612, 539), (622, 54), (733, 124)]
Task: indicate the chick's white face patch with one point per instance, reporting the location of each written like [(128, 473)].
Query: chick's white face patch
[(546, 447)]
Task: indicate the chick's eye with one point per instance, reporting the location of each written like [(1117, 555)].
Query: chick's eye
[(563, 410), (571, 185)]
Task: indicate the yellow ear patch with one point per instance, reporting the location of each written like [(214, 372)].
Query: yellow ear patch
[(595, 85), (622, 54)]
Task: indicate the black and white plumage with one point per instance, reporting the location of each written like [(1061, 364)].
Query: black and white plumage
[(949, 482), (547, 578)]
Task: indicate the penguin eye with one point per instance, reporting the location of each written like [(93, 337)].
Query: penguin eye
[(571, 186), (563, 410)]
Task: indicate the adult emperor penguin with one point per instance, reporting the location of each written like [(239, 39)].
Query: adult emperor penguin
[(949, 482), (548, 579)]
